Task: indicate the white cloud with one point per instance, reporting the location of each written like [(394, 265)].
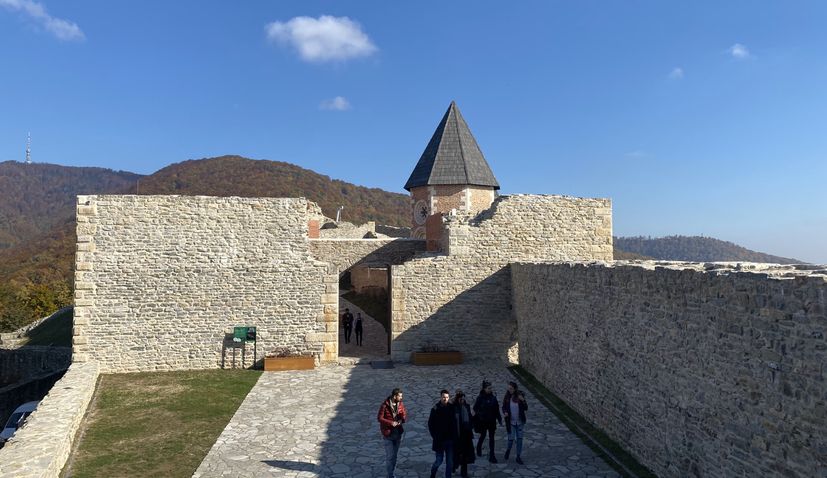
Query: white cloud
[(60, 28), (322, 39), (339, 103), (676, 73), (739, 51)]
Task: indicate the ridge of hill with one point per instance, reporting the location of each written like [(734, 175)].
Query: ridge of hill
[(695, 249), (36, 197), (238, 176), (37, 219), (37, 214)]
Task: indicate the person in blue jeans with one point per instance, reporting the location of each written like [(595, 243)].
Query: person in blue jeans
[(443, 429), (514, 408), (391, 416)]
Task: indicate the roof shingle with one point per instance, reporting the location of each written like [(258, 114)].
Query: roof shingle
[(452, 156)]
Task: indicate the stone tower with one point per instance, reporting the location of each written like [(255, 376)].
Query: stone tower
[(451, 174)]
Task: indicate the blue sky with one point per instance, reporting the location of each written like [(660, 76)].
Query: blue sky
[(694, 117)]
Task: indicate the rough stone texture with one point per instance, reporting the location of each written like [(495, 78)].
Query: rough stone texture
[(41, 447), (26, 390), (346, 230), (161, 280), (346, 253), (368, 279), (713, 370), (461, 299), (286, 435), (16, 338), (393, 231), (27, 362)]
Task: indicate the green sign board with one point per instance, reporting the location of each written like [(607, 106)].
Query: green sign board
[(244, 334), (239, 334)]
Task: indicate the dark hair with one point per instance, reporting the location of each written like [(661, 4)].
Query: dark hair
[(395, 392), (460, 394), (446, 392), (514, 386)]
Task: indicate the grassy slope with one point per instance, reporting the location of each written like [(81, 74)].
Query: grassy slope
[(56, 331), (157, 424)]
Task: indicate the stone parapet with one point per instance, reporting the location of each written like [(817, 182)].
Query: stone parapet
[(696, 369), (461, 299), (41, 447), (164, 279)]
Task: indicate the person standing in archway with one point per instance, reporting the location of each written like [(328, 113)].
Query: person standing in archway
[(358, 328), (347, 324)]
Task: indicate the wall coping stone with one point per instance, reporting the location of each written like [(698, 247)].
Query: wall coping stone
[(41, 447), (763, 270)]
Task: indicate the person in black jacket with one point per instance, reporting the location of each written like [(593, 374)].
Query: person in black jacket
[(487, 411), (443, 431), (464, 446)]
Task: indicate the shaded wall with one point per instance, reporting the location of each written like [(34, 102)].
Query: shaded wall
[(709, 371), (161, 280), (461, 299)]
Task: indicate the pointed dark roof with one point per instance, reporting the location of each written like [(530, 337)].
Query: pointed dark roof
[(452, 156)]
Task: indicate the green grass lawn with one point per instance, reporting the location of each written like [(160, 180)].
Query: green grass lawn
[(157, 423), (57, 331)]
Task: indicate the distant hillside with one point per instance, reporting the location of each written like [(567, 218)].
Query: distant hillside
[(36, 197), (37, 210), (694, 249), (237, 176)]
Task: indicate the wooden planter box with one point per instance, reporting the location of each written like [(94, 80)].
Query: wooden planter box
[(274, 364), (436, 358)]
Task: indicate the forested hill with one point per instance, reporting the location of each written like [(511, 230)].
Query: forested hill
[(36, 197), (37, 210), (695, 249), (237, 176)]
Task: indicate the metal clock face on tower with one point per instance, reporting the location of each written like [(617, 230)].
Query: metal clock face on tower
[(420, 212)]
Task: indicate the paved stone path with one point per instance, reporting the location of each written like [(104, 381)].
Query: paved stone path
[(374, 338), (322, 422)]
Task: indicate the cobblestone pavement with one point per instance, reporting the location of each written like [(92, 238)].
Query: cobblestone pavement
[(322, 422), (374, 338)]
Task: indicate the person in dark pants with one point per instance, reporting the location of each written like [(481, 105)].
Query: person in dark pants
[(392, 415), (487, 410), (514, 408), (347, 323), (358, 328), (443, 430), (464, 445)]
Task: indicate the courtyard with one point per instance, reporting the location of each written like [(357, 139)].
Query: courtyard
[(322, 422)]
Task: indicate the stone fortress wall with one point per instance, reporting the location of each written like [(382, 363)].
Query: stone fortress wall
[(161, 280), (460, 299), (713, 371)]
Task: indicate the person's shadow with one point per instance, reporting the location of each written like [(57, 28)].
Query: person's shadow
[(292, 465)]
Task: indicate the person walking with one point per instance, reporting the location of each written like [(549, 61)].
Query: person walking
[(358, 329), (514, 408), (443, 430), (392, 415), (347, 323), (487, 411), (464, 444)]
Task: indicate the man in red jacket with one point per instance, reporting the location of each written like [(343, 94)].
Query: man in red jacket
[(392, 415)]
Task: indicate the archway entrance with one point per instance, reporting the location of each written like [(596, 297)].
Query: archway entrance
[(364, 292)]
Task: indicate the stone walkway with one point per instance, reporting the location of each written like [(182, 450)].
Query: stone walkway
[(322, 422), (374, 337)]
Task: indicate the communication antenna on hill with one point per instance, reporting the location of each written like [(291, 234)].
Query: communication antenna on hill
[(29, 149)]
